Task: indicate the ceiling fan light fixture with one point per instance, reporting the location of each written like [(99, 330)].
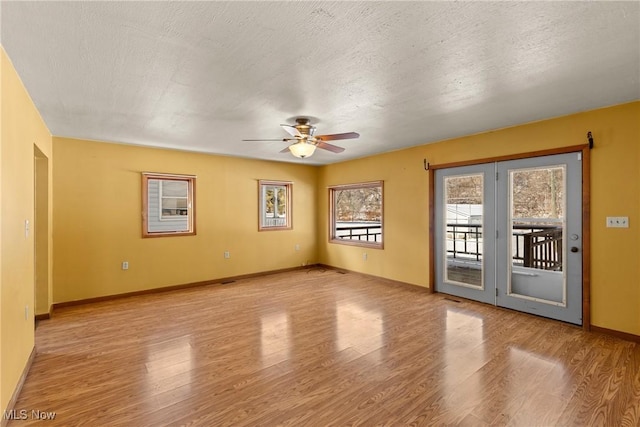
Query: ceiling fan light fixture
[(302, 149)]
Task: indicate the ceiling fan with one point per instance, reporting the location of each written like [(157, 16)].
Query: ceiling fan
[(303, 142)]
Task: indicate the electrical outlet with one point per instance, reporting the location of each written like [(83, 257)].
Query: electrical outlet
[(364, 256), (617, 222), (297, 247), (227, 255), (125, 265)]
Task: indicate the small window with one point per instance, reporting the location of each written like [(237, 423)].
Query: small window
[(356, 214), (275, 205), (168, 205)]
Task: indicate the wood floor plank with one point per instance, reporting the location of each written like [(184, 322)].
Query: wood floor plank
[(318, 348)]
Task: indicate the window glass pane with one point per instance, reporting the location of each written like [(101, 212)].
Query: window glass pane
[(172, 207), (463, 237), (175, 188), (174, 203), (282, 199), (537, 199), (357, 214), (269, 201), (274, 205)]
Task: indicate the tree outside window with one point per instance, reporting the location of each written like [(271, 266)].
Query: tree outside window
[(275, 205)]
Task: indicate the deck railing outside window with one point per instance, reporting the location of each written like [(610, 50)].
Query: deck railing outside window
[(534, 246), (359, 231), (537, 246)]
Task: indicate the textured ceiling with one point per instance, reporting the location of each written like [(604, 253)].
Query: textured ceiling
[(202, 76)]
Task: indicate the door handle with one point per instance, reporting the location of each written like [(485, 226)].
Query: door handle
[(574, 249)]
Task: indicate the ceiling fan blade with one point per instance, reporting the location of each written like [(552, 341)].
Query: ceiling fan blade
[(278, 139), (335, 136), (291, 130), (286, 150), (329, 147)]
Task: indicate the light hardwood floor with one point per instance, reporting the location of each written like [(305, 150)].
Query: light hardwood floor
[(322, 348)]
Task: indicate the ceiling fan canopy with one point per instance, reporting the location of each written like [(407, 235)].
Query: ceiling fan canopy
[(303, 141)]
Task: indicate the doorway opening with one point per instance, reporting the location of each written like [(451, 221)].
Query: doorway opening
[(41, 235)]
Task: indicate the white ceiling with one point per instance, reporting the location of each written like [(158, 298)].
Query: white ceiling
[(202, 76)]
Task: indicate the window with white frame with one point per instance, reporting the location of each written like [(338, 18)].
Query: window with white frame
[(356, 214), (275, 199), (168, 205), (174, 199)]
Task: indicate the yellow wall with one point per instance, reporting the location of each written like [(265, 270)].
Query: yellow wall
[(21, 129), (3, 404), (615, 191), (97, 220)]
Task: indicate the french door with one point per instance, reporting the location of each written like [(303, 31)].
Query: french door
[(509, 234), (465, 230)]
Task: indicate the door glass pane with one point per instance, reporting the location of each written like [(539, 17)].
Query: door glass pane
[(537, 216), (463, 225)]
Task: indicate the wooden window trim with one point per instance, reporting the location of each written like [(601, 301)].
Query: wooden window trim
[(332, 220), (288, 209), (191, 204)]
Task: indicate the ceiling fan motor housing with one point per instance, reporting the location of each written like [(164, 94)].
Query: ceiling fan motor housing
[(304, 127)]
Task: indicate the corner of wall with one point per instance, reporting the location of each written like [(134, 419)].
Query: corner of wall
[(22, 127)]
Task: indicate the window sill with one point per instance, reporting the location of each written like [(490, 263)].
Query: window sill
[(345, 242)]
